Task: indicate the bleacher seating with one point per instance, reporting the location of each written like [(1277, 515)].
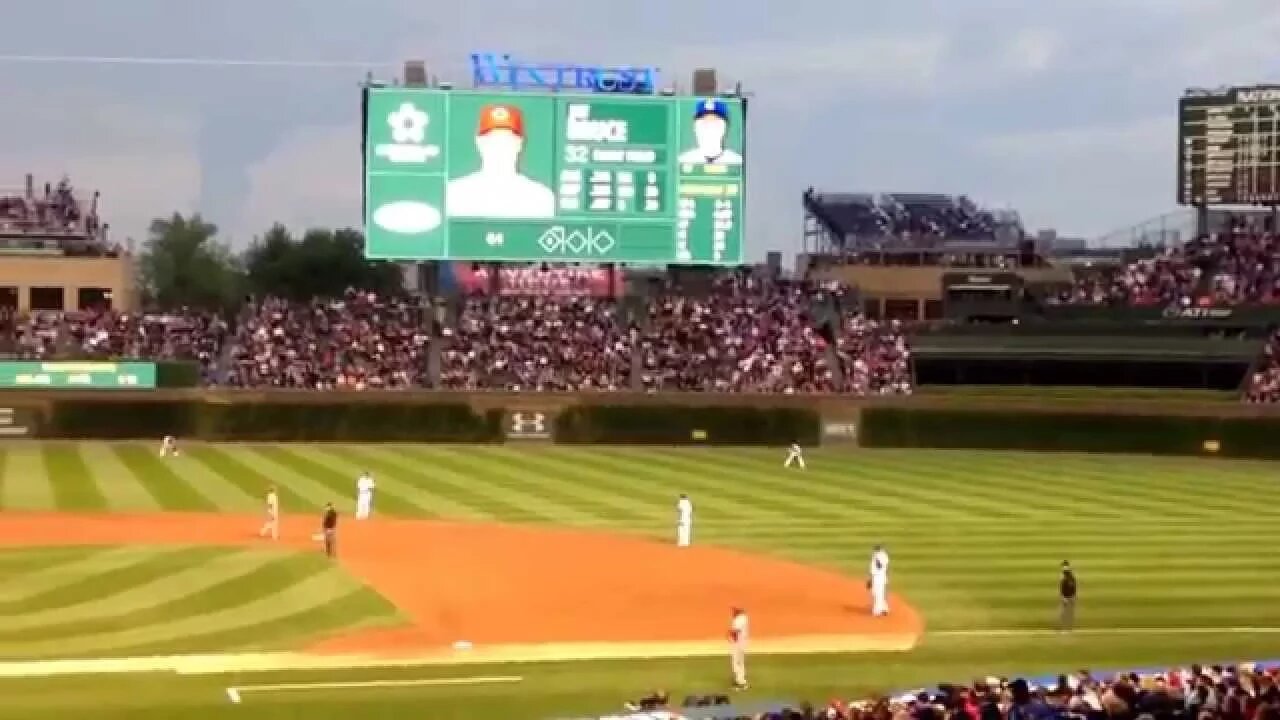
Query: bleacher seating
[(855, 221)]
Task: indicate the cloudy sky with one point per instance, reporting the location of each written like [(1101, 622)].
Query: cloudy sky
[(1060, 109)]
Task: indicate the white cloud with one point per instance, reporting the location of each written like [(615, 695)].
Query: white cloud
[(312, 179), (143, 160), (888, 63), (1090, 179), (1031, 50)]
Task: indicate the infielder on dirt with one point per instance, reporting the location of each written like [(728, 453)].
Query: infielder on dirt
[(738, 631), (271, 528), (879, 581), (364, 495), (684, 521)]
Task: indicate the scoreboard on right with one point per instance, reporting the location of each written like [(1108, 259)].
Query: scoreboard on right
[(1229, 146)]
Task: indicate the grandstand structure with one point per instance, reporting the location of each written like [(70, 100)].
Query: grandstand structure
[(56, 254), (911, 254)]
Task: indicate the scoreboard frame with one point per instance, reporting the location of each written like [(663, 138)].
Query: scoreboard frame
[(680, 186), (1229, 147)]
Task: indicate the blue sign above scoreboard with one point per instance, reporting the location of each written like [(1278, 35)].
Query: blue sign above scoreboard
[(500, 70)]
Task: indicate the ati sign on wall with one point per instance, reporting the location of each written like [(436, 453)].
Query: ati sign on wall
[(529, 177)]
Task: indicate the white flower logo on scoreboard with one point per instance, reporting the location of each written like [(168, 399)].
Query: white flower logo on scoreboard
[(408, 143)]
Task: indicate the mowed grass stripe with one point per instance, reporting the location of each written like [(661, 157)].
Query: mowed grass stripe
[(148, 565), (70, 570), (322, 582), (663, 484), (623, 480), (831, 489), (1100, 485), (216, 583), (952, 490), (227, 493), (74, 487), (527, 482), (1182, 488), (708, 483), (228, 464), (466, 480), (424, 472), (355, 610), (158, 476), (398, 481), (26, 482), (314, 494), (141, 600), (18, 559), (583, 486), (122, 488), (304, 461), (974, 490)]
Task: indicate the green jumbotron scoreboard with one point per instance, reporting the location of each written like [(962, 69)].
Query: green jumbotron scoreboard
[(505, 176), (83, 375)]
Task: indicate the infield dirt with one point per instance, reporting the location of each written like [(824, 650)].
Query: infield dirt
[(520, 592)]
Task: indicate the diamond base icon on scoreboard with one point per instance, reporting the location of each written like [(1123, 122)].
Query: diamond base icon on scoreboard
[(557, 240)]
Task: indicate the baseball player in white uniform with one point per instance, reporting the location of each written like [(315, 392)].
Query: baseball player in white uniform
[(271, 528), (364, 495), (710, 125), (879, 581), (738, 632), (497, 189), (684, 521), (794, 455), (169, 446)]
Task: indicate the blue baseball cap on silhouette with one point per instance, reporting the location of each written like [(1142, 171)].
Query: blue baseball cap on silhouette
[(711, 106)]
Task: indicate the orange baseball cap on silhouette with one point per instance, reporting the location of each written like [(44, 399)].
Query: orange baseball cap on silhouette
[(501, 117)]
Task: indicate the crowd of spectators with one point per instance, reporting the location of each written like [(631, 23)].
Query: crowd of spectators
[(360, 341), (875, 357), (1239, 265), (745, 335), (537, 343), (1264, 384), (101, 334), (1241, 692)]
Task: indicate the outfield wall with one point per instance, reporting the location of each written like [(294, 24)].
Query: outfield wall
[(1076, 424)]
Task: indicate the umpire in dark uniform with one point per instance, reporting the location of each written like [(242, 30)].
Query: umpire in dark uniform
[(329, 528), (1067, 590)]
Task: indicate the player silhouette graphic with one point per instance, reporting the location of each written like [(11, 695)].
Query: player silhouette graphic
[(498, 189)]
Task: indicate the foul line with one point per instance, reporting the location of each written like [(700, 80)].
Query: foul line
[(1044, 632), (235, 694)]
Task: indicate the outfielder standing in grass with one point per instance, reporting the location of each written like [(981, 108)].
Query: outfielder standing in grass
[(1067, 592), (364, 495)]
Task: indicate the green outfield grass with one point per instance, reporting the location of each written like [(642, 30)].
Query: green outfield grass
[(1168, 550)]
